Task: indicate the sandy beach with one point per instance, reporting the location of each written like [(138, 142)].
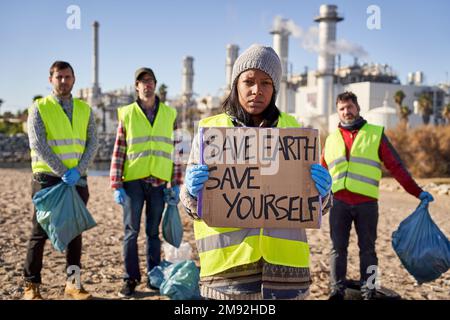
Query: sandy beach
[(102, 245)]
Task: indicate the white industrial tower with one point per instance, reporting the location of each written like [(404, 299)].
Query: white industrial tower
[(95, 95), (281, 47), (232, 55), (188, 78), (327, 20)]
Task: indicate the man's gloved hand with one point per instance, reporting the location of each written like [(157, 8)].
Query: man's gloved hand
[(119, 196), (71, 176), (426, 196), (195, 178), (321, 178)]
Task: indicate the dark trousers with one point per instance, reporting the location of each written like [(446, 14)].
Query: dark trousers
[(342, 215), (35, 251), (140, 192)]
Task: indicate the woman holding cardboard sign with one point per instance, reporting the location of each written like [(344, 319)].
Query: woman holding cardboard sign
[(249, 263)]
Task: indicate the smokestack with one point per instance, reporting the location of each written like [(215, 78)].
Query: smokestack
[(327, 20), (95, 85), (281, 47), (188, 77), (232, 54)]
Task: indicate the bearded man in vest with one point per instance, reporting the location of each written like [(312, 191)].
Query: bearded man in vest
[(250, 263), (63, 141), (141, 168), (353, 155)]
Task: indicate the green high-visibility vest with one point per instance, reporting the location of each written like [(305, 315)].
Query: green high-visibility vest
[(362, 172), (149, 147), (224, 248), (67, 140)]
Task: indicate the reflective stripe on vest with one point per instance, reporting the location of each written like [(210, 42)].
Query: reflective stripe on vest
[(224, 248), (149, 147), (67, 140), (362, 173)]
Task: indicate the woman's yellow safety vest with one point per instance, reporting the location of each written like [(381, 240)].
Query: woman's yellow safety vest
[(67, 140), (149, 147), (362, 172), (224, 248)]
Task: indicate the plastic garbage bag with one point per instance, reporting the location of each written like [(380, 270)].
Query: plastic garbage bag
[(62, 214), (172, 228), (173, 254), (157, 275), (422, 248), (178, 281)]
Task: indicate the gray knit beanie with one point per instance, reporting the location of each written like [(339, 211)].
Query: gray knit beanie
[(261, 58)]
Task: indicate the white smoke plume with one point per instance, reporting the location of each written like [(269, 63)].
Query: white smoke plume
[(309, 39)]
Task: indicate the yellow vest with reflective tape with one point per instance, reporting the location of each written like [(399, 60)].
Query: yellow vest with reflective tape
[(149, 147), (67, 140), (224, 248), (362, 172)]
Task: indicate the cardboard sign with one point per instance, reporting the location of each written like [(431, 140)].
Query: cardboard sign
[(260, 178)]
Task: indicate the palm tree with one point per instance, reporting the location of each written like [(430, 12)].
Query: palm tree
[(446, 113), (425, 107), (398, 98), (162, 92), (403, 112)]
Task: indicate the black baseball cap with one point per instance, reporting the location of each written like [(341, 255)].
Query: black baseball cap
[(140, 71)]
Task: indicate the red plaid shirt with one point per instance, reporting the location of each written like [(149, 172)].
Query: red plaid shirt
[(118, 160)]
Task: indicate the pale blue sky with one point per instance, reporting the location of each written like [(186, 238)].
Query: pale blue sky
[(414, 35)]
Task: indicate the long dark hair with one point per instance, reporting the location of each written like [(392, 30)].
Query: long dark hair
[(232, 107)]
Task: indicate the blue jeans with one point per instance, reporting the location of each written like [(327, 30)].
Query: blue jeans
[(139, 192)]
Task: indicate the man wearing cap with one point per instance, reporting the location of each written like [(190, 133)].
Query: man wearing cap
[(141, 167)]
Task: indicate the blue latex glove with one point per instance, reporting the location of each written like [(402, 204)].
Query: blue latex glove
[(321, 178), (71, 176), (426, 196), (195, 178), (119, 196)]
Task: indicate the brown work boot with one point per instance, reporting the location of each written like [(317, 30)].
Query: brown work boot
[(72, 291), (32, 291)]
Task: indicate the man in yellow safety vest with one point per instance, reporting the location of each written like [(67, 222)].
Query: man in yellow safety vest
[(141, 168), (353, 155), (63, 141)]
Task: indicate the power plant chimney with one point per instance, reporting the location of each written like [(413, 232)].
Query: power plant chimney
[(281, 47), (327, 20), (95, 84), (188, 78), (232, 54)]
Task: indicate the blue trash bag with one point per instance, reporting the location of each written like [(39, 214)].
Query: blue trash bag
[(172, 228), (62, 214), (422, 248), (156, 275), (178, 281)]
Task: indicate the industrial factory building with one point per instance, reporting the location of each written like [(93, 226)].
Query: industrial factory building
[(309, 96)]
